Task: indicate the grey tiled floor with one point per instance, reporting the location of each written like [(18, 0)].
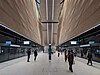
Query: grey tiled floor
[(43, 67)]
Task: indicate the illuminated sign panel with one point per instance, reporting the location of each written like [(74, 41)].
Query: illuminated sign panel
[(8, 42), (73, 42), (26, 42)]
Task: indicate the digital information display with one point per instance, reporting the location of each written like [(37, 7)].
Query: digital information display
[(26, 42), (8, 42), (73, 42)]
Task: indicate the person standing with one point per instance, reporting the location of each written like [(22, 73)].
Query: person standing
[(65, 55), (35, 55), (70, 59), (43, 50), (81, 53), (49, 52), (28, 54), (89, 56), (58, 54)]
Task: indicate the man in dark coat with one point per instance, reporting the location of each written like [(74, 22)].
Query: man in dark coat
[(65, 53), (89, 56), (70, 59), (35, 55), (28, 54)]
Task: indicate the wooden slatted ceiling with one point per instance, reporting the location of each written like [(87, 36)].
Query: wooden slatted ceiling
[(80, 15), (20, 16)]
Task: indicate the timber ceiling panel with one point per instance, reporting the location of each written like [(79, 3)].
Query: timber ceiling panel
[(80, 15), (20, 16)]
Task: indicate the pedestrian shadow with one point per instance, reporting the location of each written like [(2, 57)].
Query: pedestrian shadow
[(95, 66), (69, 72)]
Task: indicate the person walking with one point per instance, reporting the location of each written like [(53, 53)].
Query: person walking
[(89, 56), (35, 55), (70, 59), (66, 55), (28, 54), (49, 52)]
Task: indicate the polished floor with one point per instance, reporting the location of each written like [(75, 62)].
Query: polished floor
[(43, 67)]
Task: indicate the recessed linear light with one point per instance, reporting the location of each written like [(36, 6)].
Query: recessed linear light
[(47, 19)]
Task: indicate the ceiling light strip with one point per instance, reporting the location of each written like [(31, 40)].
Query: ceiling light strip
[(47, 19), (52, 20)]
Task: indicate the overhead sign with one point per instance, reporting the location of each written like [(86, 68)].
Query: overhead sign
[(8, 42), (26, 42), (73, 42), (91, 42)]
